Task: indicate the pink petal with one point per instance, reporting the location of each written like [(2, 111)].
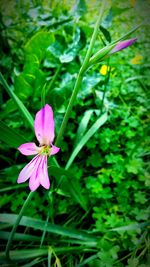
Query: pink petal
[(44, 125), (28, 170), (54, 150), (40, 175), (28, 149), (122, 45), (34, 182), (34, 179), (43, 175)]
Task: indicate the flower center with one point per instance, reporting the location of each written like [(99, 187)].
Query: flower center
[(45, 150)]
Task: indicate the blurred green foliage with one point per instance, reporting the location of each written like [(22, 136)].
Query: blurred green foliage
[(43, 45)]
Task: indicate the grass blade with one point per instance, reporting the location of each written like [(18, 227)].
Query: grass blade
[(17, 101), (100, 121), (83, 125), (26, 254), (68, 184), (51, 228), (21, 237)]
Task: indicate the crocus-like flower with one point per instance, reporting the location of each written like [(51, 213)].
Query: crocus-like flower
[(36, 169), (107, 51), (122, 45)]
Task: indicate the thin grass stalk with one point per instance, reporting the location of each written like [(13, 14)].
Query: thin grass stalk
[(10, 239)]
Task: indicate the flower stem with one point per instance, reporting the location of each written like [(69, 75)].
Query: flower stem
[(46, 89), (51, 84), (83, 68), (17, 223)]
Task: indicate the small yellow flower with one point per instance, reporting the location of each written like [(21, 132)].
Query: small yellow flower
[(104, 69), (132, 3), (137, 60)]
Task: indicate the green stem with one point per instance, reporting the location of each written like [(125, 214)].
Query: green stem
[(17, 223), (50, 86), (69, 108), (83, 68), (53, 79)]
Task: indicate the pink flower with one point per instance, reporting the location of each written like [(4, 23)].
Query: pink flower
[(36, 169), (105, 52), (122, 45)]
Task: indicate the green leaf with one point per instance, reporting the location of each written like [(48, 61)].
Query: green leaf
[(10, 107), (100, 121), (83, 125), (88, 83), (18, 236), (106, 34), (17, 101), (10, 136), (133, 262), (73, 49), (129, 227), (68, 183), (134, 166), (23, 254), (38, 44), (22, 88), (51, 228)]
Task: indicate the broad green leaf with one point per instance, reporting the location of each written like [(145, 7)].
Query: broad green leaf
[(100, 121), (38, 44), (51, 228), (88, 83), (57, 48), (58, 97), (32, 79), (17, 101), (10, 136), (22, 88), (73, 49)]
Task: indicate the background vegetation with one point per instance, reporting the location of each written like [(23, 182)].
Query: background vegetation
[(96, 212)]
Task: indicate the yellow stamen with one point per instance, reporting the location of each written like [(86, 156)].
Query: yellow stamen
[(45, 150)]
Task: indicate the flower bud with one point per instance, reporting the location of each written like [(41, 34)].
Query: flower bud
[(109, 50)]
